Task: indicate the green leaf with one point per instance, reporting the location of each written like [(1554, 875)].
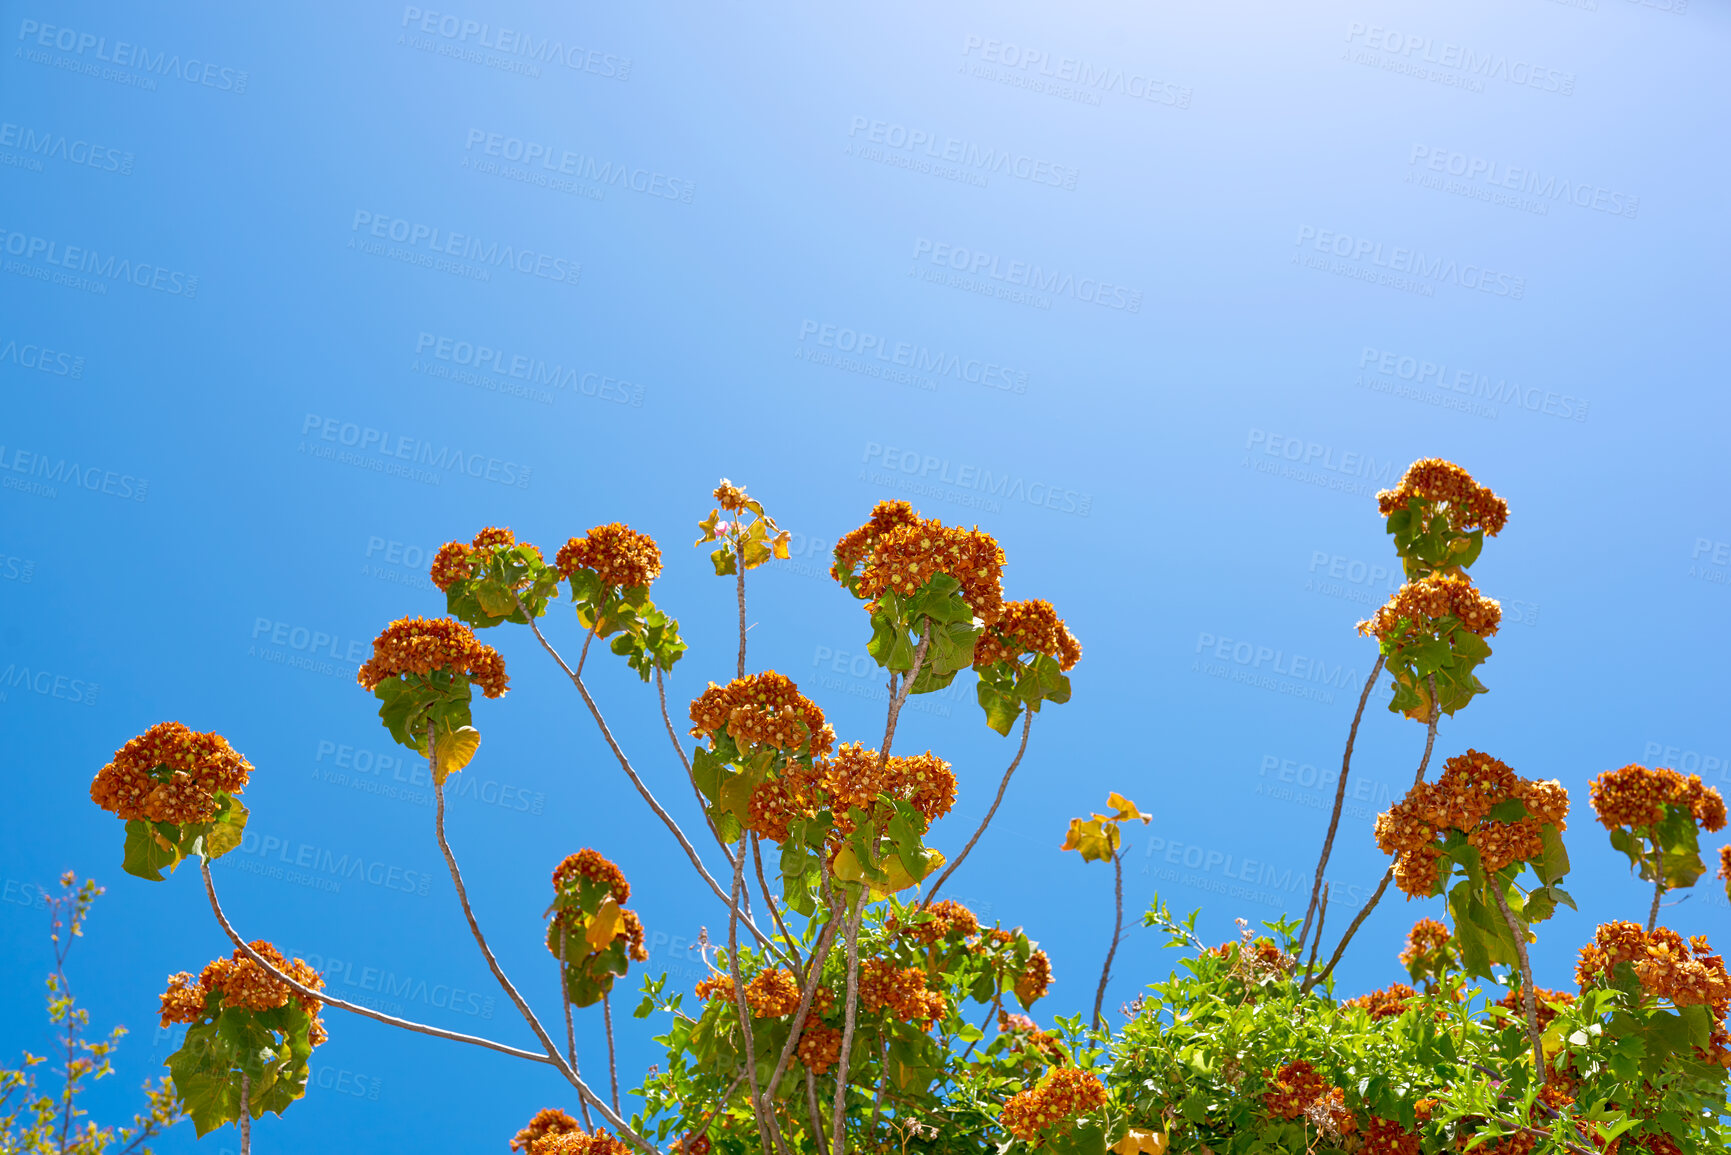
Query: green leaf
[(226, 828), (149, 850), (1001, 709)]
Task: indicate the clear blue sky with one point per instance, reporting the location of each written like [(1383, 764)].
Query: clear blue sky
[(1158, 294)]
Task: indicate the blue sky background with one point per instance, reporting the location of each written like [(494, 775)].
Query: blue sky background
[(1296, 207)]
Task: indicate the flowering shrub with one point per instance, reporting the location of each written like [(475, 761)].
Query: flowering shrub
[(852, 1010)]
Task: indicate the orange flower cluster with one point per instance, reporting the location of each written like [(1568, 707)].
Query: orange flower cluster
[(777, 802), (240, 982), (772, 994), (1462, 799), (856, 546), (1635, 796), (1469, 504), (198, 766), (899, 990), (819, 1046), (547, 1121), (730, 497), (1410, 611), (1295, 1087), (1026, 1036), (619, 555), (1545, 1000), (716, 986), (592, 865), (949, 919), (579, 1142), (455, 561), (1386, 1137), (764, 709), (852, 777), (1029, 627), (1689, 974), (421, 645), (1388, 1003), (907, 557), (1062, 1096), (1427, 937), (1035, 979)]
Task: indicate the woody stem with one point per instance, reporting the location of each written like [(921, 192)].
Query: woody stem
[(1339, 801), (1529, 997), (1117, 931)]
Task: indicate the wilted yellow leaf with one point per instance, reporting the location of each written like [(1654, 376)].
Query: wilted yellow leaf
[(1126, 809), (452, 751), (604, 926), (1136, 1142), (1097, 838), (707, 525)]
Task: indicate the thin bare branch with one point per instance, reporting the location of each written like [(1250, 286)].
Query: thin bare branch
[(1117, 932), (838, 1125), (570, 1029), (1321, 915), (612, 1057), (1340, 949), (1339, 801), (245, 1114), (1658, 893), (1027, 724), (897, 698), (702, 803), (819, 952), (740, 1003), (1529, 1000), (1430, 732)]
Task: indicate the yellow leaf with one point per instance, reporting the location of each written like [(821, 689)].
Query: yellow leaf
[(707, 525), (604, 926), (1137, 1142), (780, 544), (1097, 838), (452, 751), (1126, 809)]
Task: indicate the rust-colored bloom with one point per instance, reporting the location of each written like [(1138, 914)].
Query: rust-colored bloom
[(1415, 871), (1467, 504), (1028, 627), (1386, 1137), (1390, 1002), (1024, 1035), (619, 555), (819, 1046), (456, 562), (764, 709), (1035, 979), (1546, 1002), (777, 802), (591, 864), (730, 497), (1058, 1100), (772, 994), (1725, 863), (899, 990), (1427, 936), (1687, 973), (948, 920), (852, 777), (240, 982), (420, 646), (1461, 799), (169, 773), (1635, 796), (183, 1001), (1293, 1088), (856, 546), (716, 986), (547, 1121), (1412, 610), (907, 557), (579, 1143)]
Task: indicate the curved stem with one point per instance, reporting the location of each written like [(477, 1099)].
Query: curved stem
[(819, 952), (897, 698), (812, 1109), (1529, 998), (1357, 922), (1658, 893), (612, 1060), (570, 1029), (1339, 801), (1027, 724), (739, 568), (1430, 732), (838, 1115), (774, 910), (1117, 931), (1321, 914), (353, 1008), (625, 764), (702, 803)]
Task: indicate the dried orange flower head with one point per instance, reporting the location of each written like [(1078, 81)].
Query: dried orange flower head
[(772, 994), (1387, 1137), (590, 864), (1687, 973), (420, 646), (730, 497), (764, 709), (169, 773), (856, 546), (1427, 936), (547, 1121), (1035, 979), (1546, 1001), (1293, 1088), (819, 1047), (906, 557), (901, 991), (455, 561), (1029, 627), (948, 920), (1390, 1002), (620, 556), (1467, 504), (852, 777), (1461, 799), (1635, 796), (240, 982), (1725, 863), (1065, 1094), (578, 1143), (1411, 611)]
